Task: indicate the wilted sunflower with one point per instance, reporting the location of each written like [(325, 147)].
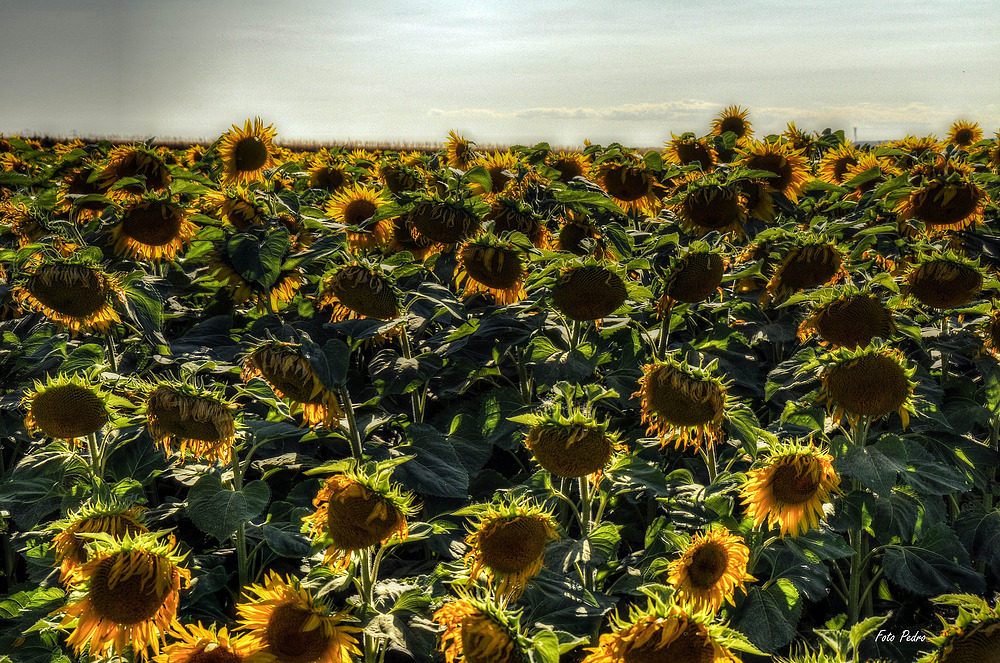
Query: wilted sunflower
[(197, 644), (660, 634), (239, 205), (513, 215), (589, 291), (733, 119), (944, 281), (944, 197), (358, 291), (71, 293), (354, 205), (67, 407), (27, 221), (787, 164), (630, 184), (758, 199), (711, 569), (400, 174), (570, 446), (693, 278), (837, 161), (356, 510), (687, 149), (480, 632), (289, 626), (569, 164), (682, 404), (246, 153), (114, 518), (508, 543), (808, 264), (974, 636), (458, 152), (710, 205), (76, 184), (291, 376), (848, 318), (870, 382), (152, 229), (442, 222), (403, 237), (185, 417), (130, 589), (990, 332), (789, 490), (128, 161), (240, 290), (489, 265), (963, 134)]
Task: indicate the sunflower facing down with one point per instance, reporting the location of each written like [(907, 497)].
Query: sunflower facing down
[(73, 294), (508, 543), (629, 183), (808, 264), (974, 636), (945, 198), (848, 318), (67, 407), (944, 281), (356, 510), (114, 518), (588, 291), (436, 221), (480, 632), (682, 404), (246, 153), (127, 161), (661, 633), (128, 595), (513, 215), (197, 644), (710, 205), (239, 205), (871, 382), (712, 568), (291, 376), (570, 446), (357, 291), (491, 266), (187, 418), (152, 229), (288, 625), (693, 278), (789, 490)]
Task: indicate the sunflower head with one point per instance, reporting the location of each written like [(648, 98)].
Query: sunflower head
[(184, 417), (500, 166), (788, 165), (79, 182), (330, 176), (807, 264), (964, 134), (916, 149), (72, 293), (239, 205), (798, 139), (837, 161), (152, 228), (663, 633), (944, 281), (128, 161), (25, 219), (196, 644), (973, 636), (682, 404), (246, 153), (358, 509), (866, 382), (359, 291), (943, 197), (588, 291), (397, 175), (733, 119), (711, 569), (477, 631), (686, 149), (458, 152), (848, 318), (128, 594), (790, 487), (441, 222), (292, 377), (629, 183), (568, 164), (287, 625), (570, 446), (67, 407), (352, 206), (490, 265), (513, 215), (694, 277), (708, 204), (111, 517)]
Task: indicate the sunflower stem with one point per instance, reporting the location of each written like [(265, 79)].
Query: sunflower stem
[(994, 435), (352, 424), (241, 541), (367, 588), (945, 356), (854, 579), (585, 523), (109, 342), (710, 462), (664, 337), (574, 339), (861, 431), (95, 458), (416, 402)]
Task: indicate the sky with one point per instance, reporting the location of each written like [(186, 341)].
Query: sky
[(502, 72)]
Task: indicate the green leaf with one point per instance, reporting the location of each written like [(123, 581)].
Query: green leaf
[(938, 565), (219, 511), (545, 647), (393, 374), (871, 467), (479, 175), (284, 543), (83, 358), (979, 530), (769, 617), (862, 630), (435, 468)]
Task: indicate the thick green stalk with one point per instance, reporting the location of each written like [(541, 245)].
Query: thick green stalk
[(664, 337), (416, 402), (241, 541), (352, 424), (109, 343), (96, 464), (585, 529)]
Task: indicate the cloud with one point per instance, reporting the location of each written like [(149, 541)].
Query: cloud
[(625, 112)]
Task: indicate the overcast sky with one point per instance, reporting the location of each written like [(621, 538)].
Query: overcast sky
[(498, 72)]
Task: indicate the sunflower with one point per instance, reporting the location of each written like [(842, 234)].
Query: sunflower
[(693, 278), (964, 134), (848, 318), (114, 518), (508, 543), (758, 199), (283, 289), (77, 184), (183, 417), (27, 221), (152, 229), (513, 215), (357, 291), (872, 382), (944, 197), (71, 293), (442, 222), (686, 149), (916, 149), (629, 183), (733, 119), (788, 165), (193, 156), (570, 446), (711, 569), (944, 281), (489, 265), (500, 166), (356, 510), (128, 161), (974, 636), (588, 291), (129, 592), (246, 153), (397, 175), (798, 139), (67, 407), (990, 332), (480, 632), (808, 264), (708, 204), (239, 205), (661, 633), (837, 161), (789, 490), (197, 644), (403, 237), (569, 165), (867, 161), (352, 207), (683, 403), (458, 152), (332, 177), (288, 625), (292, 378)]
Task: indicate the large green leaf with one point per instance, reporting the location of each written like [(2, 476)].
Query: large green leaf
[(435, 468), (938, 565), (769, 617), (219, 511)]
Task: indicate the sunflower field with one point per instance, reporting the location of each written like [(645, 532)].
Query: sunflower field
[(737, 399)]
